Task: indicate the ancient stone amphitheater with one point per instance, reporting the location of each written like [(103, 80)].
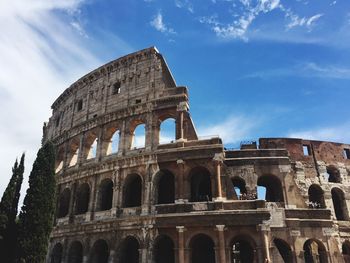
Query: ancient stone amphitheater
[(188, 200)]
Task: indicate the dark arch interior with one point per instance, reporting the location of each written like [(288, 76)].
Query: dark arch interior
[(129, 251), (75, 253), (56, 256), (63, 207), (132, 191), (200, 185), (164, 250), (239, 183), (314, 252), (166, 188), (105, 195), (346, 251), (284, 250), (202, 248), (274, 192), (316, 196), (100, 252), (82, 199), (242, 251), (339, 204), (334, 175)]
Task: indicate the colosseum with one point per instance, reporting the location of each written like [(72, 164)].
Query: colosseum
[(190, 199)]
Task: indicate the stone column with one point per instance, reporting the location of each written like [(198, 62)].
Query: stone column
[(180, 198), (72, 202), (116, 189), (100, 145), (265, 229), (80, 157), (181, 244), (218, 160), (221, 237), (93, 196), (181, 108)]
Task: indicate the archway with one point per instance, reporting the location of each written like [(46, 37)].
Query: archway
[(165, 190), (167, 132), (129, 251), (239, 186), (242, 251), (75, 253), (284, 250), (202, 249), (63, 207), (200, 185), (163, 251), (105, 195), (132, 191), (138, 139), (56, 254), (314, 251), (82, 199), (113, 144), (333, 174), (339, 204), (316, 197), (346, 251), (274, 190), (100, 252)]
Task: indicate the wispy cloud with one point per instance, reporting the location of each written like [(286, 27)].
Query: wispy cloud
[(296, 21), (185, 4), (158, 23)]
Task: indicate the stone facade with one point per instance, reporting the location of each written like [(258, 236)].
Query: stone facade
[(190, 200)]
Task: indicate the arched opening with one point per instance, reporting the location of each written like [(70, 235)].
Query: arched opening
[(63, 207), (129, 251), (113, 144), (316, 197), (56, 254), (167, 132), (132, 191), (202, 249), (333, 174), (100, 252), (138, 139), (274, 192), (242, 251), (92, 151), (200, 185), (163, 251), (284, 250), (59, 160), (346, 251), (339, 204), (73, 153), (165, 187), (82, 199), (239, 187), (75, 253), (314, 251), (105, 195)]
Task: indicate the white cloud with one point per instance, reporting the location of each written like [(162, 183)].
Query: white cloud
[(185, 4), (296, 21), (160, 26)]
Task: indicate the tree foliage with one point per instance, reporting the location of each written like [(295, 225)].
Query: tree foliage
[(36, 217)]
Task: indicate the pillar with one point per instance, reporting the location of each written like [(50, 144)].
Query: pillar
[(180, 198), (181, 108), (181, 244), (100, 145), (221, 238), (265, 229), (218, 160)]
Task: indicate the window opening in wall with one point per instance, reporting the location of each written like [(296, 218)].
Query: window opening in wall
[(200, 185), (242, 252), (167, 132), (100, 252), (113, 145), (239, 187), (116, 88), (316, 197), (63, 205), (75, 253), (59, 167), (82, 199), (56, 254), (273, 185), (58, 121), (202, 248), (79, 105), (105, 195), (333, 174), (339, 204), (284, 250), (74, 158), (306, 150), (314, 251), (261, 192), (346, 153), (138, 101), (165, 188), (132, 191), (164, 250), (93, 150), (139, 137), (129, 251)]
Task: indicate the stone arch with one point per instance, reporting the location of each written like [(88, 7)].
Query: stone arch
[(167, 130), (73, 152), (200, 184), (346, 251), (202, 249), (284, 250), (239, 186), (138, 135), (273, 185), (132, 191), (75, 252), (113, 143), (316, 196), (59, 159), (90, 145), (129, 250), (105, 195), (164, 187), (99, 252), (339, 204), (82, 199), (315, 251), (242, 249), (163, 250), (56, 253), (63, 204), (333, 174)]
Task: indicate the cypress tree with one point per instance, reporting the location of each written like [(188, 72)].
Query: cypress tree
[(8, 212), (36, 217)]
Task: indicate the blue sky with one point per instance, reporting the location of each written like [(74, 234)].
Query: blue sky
[(254, 68)]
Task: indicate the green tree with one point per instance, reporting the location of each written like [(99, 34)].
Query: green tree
[(36, 218), (8, 212)]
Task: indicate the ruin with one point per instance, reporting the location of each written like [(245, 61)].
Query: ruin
[(126, 199)]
